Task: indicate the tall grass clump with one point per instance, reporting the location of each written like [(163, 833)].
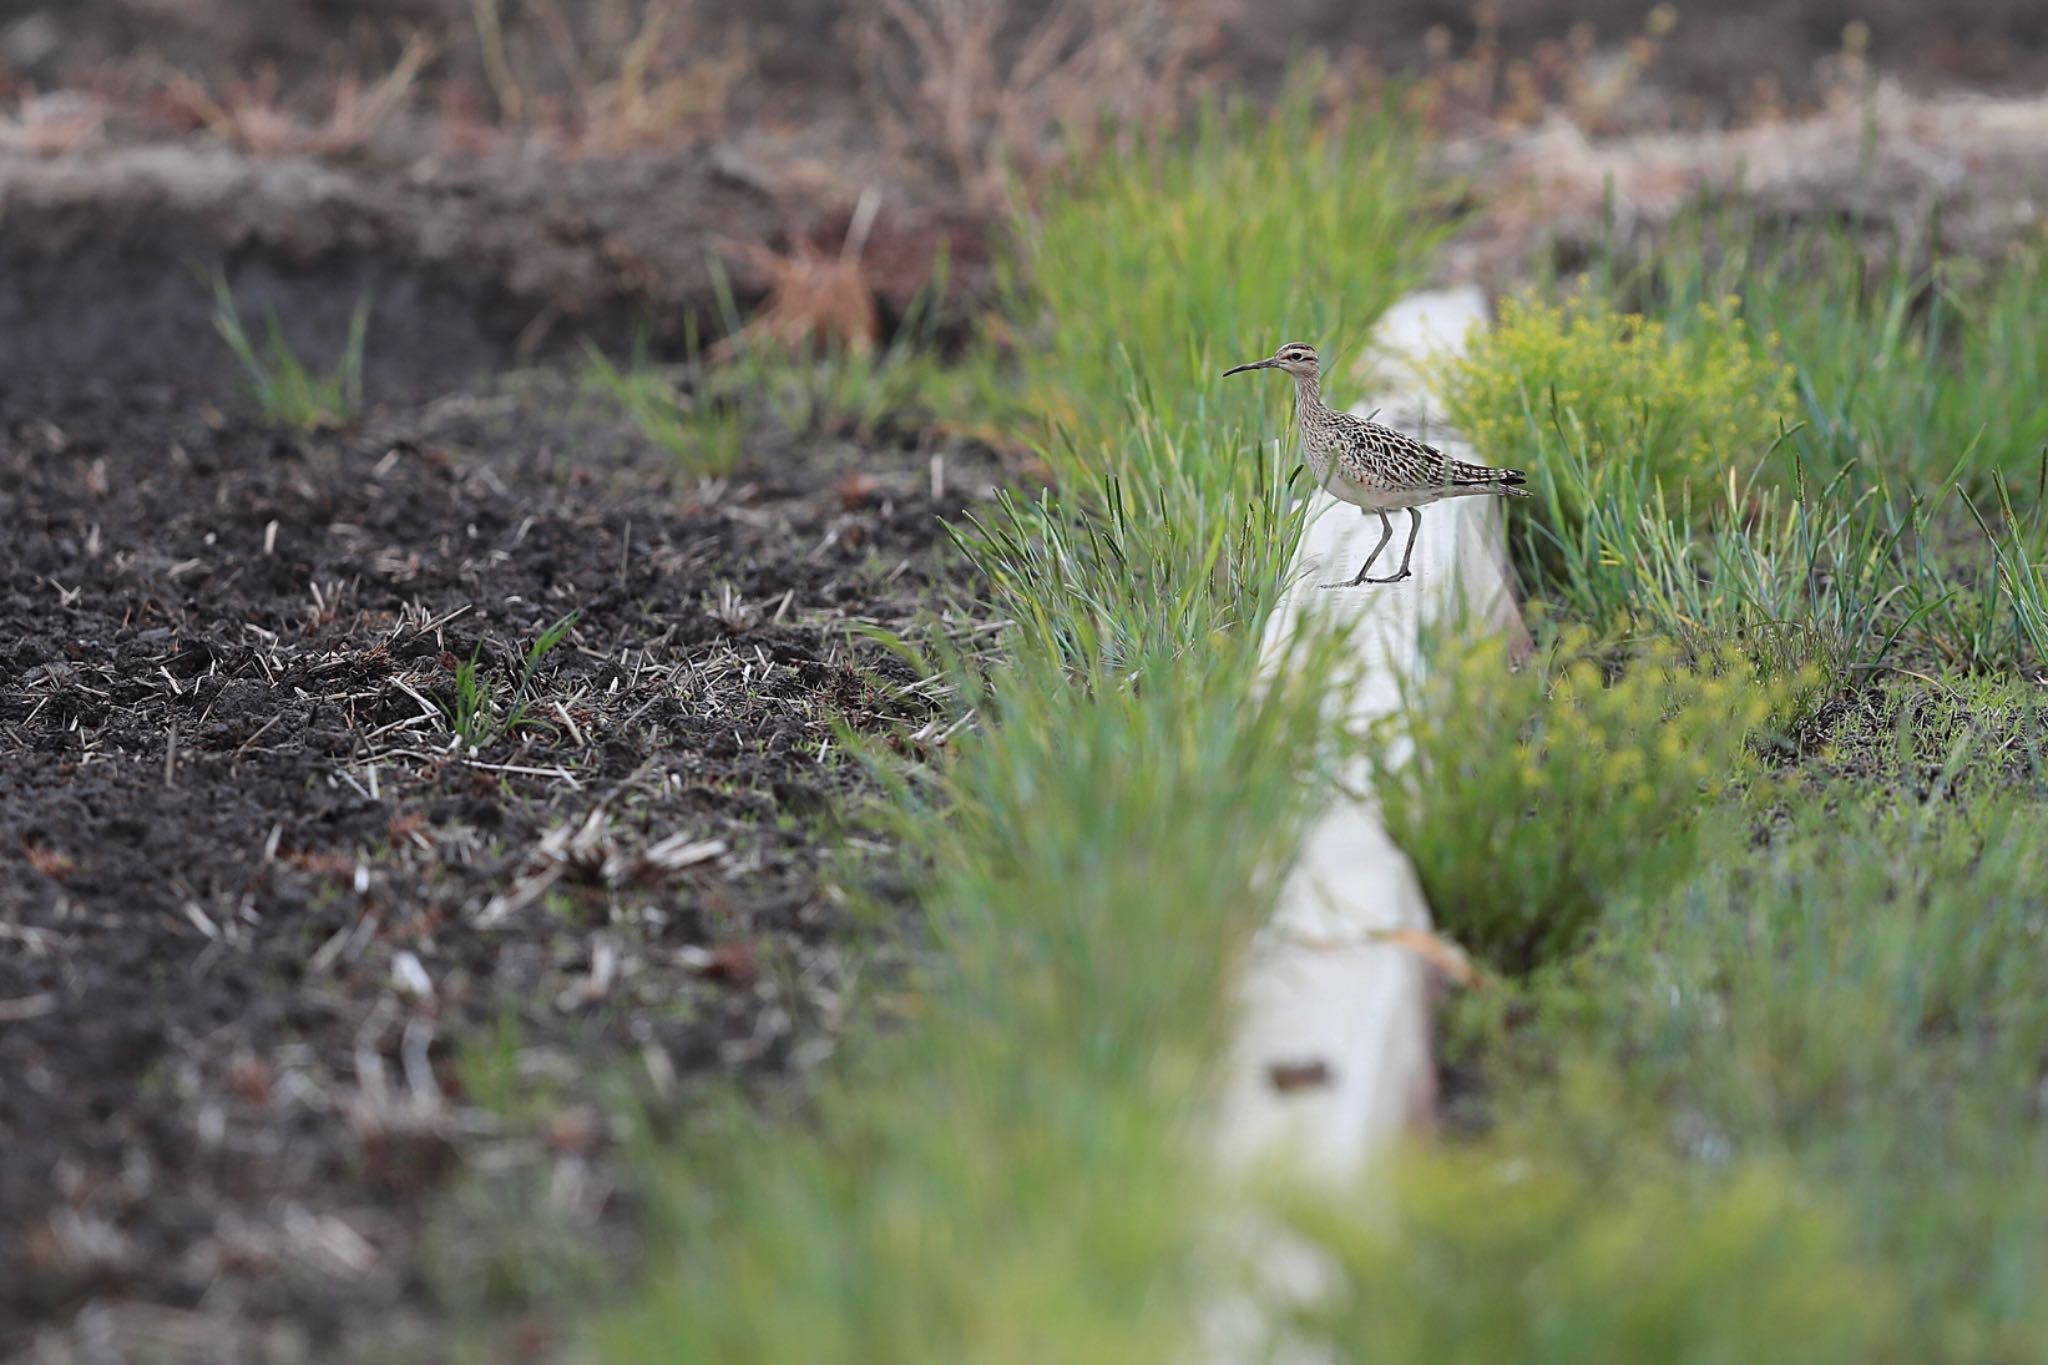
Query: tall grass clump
[(1921, 431), (1198, 250), (1919, 409), (289, 392), (1918, 370), (1529, 799), (1767, 439), (2019, 555), (1149, 273), (1003, 1176)]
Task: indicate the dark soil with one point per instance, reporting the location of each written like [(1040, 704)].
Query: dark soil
[(266, 928)]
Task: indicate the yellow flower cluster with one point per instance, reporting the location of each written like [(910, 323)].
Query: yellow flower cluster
[(1531, 796), (1641, 747), (1689, 401)]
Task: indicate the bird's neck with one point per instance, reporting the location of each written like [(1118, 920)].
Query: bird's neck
[(1308, 394)]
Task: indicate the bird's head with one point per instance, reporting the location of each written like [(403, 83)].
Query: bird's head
[(1298, 358)]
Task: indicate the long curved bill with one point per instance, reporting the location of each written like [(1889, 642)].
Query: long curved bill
[(1255, 365)]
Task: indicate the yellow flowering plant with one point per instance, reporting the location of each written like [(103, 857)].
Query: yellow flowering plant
[(1678, 408), (1527, 799), (1619, 421)]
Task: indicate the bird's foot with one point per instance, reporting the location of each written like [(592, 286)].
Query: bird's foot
[(1391, 578)]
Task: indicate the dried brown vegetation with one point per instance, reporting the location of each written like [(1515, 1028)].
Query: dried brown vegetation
[(991, 90), (250, 113), (816, 298), (611, 76)]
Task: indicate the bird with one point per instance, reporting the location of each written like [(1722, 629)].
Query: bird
[(1375, 468)]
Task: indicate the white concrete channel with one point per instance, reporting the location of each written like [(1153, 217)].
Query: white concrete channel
[(1332, 1059)]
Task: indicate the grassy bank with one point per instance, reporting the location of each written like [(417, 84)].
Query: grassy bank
[(1755, 1072)]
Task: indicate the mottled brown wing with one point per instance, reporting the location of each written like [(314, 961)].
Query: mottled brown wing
[(1380, 457)]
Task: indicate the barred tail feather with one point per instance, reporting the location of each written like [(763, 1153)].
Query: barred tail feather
[(1480, 479)]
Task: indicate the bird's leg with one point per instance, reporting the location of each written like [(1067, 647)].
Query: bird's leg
[(1414, 528), (1386, 534)]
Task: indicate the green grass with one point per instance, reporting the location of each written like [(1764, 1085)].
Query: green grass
[(1001, 1173), (709, 413), (1758, 1077), (1849, 992), (1162, 268), (287, 390), (1918, 432), (481, 711), (706, 436), (1840, 467), (1508, 1257), (1003, 1179), (1910, 368)]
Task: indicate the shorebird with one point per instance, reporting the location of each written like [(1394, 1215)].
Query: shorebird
[(1372, 467)]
